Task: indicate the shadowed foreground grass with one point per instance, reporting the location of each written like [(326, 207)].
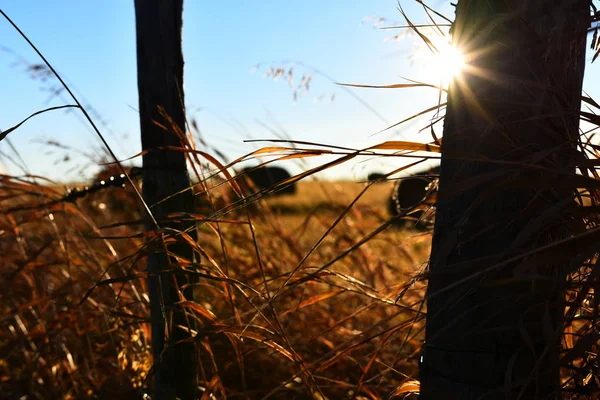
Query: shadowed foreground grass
[(300, 297), (286, 308)]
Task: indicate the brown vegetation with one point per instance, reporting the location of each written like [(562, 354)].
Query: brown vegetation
[(284, 307)]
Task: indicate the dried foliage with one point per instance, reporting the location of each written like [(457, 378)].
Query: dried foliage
[(288, 304)]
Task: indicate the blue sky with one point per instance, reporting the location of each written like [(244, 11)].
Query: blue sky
[(92, 44)]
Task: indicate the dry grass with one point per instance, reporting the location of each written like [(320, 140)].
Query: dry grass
[(75, 316)]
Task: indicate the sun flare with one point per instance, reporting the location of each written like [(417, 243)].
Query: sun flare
[(443, 61), (448, 64)]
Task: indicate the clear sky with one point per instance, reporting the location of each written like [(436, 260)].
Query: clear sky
[(92, 44)]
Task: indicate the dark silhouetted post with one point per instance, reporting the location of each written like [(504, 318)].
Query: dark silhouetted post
[(162, 120), (494, 316)]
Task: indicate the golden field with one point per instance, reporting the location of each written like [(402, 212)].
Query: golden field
[(300, 297)]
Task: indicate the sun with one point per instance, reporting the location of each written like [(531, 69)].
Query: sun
[(448, 63), (442, 61)]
